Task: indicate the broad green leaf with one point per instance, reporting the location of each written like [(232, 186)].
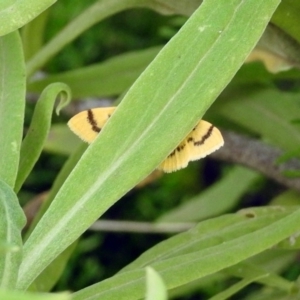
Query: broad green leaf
[(12, 220), (181, 269), (12, 104), (38, 131), (15, 14), (210, 233), (273, 261), (100, 10), (155, 287), (17, 295), (217, 199), (276, 109), (116, 75), (159, 110), (6, 3)]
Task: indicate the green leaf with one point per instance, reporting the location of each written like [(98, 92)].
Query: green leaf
[(210, 233), (179, 269), (274, 260), (12, 220), (277, 109), (286, 17), (155, 287), (116, 75), (289, 197), (216, 199), (291, 173), (235, 288), (159, 110), (248, 270), (288, 155), (17, 295), (15, 14), (269, 294), (49, 277), (33, 35), (256, 73), (12, 104), (96, 13), (291, 243), (38, 131)]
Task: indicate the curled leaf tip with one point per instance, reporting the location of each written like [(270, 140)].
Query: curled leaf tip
[(64, 98)]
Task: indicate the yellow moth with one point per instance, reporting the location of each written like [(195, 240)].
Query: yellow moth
[(201, 141)]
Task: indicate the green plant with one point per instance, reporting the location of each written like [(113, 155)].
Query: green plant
[(169, 88)]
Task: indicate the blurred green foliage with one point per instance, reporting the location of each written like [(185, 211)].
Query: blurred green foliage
[(129, 30)]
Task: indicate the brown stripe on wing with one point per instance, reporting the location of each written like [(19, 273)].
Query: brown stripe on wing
[(204, 137), (177, 149), (92, 121)]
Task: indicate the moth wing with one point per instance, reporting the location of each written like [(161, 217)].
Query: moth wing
[(204, 140), (87, 124), (177, 159)]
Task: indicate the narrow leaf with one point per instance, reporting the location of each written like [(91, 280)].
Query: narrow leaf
[(216, 199), (12, 104), (248, 270), (269, 294), (12, 220), (236, 288), (38, 131), (182, 269), (96, 13), (210, 233), (116, 75)]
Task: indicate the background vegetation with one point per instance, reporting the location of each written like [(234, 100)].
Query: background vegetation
[(165, 62)]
